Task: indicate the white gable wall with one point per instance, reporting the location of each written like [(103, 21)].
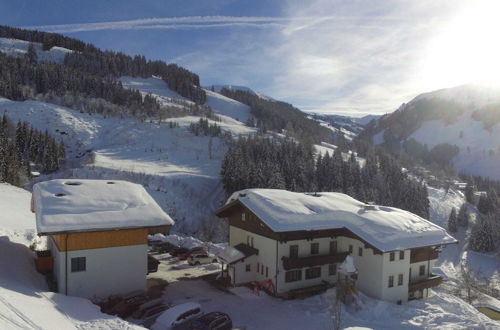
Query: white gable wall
[(109, 271), (266, 257), (394, 268), (369, 266)]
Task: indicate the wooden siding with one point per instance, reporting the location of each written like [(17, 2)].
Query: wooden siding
[(427, 283), (296, 263), (100, 239), (423, 254)]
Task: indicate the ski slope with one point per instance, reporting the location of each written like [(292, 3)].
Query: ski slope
[(180, 170)]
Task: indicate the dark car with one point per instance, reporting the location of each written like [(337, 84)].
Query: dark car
[(212, 321), (175, 252), (187, 254), (163, 247), (129, 304), (152, 264)]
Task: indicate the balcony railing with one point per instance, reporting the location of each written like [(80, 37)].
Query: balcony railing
[(429, 282), (294, 263), (423, 254)]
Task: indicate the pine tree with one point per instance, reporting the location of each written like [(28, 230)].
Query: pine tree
[(452, 221), (31, 55), (463, 216), (482, 236)]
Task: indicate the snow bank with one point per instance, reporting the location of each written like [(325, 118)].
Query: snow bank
[(85, 205), (386, 228), (16, 220)]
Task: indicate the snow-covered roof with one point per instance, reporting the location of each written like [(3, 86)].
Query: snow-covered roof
[(386, 228), (93, 205), (230, 255)]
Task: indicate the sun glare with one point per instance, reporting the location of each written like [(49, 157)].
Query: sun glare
[(467, 50)]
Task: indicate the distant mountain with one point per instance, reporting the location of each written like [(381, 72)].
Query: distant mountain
[(365, 119), (218, 88), (467, 117)]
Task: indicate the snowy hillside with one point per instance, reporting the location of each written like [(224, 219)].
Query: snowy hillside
[(25, 302), (15, 47), (181, 170), (478, 140)]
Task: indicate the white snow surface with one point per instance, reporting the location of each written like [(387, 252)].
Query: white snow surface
[(18, 48), (478, 154), (230, 255), (386, 228), (228, 107), (86, 205), (25, 302)]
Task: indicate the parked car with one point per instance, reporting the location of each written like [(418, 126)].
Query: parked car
[(129, 304), (152, 264), (177, 316), (175, 252), (139, 313), (150, 314), (201, 258), (212, 321), (197, 250), (163, 247)]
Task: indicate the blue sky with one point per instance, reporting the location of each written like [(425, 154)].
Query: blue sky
[(350, 57)]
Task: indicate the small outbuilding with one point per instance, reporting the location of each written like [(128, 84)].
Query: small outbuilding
[(97, 234)]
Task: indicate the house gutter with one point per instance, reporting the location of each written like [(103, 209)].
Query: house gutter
[(66, 266), (276, 275)]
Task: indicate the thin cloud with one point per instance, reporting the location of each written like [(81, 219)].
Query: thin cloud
[(188, 22)]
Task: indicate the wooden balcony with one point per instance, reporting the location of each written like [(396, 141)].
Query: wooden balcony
[(44, 261), (317, 260), (423, 254), (430, 282)]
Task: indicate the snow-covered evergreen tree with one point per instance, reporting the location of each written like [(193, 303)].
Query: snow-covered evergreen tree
[(452, 221), (463, 216), (482, 235)]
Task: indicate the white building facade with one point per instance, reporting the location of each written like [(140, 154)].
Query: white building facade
[(305, 257)]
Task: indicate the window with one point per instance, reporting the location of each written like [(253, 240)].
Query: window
[(360, 251), (248, 268), (78, 264), (258, 267), (421, 270), (262, 270), (392, 256), (248, 240), (400, 279), (350, 248), (251, 241), (243, 216), (267, 271), (314, 272), (293, 275), (332, 269), (401, 255), (333, 247), (391, 281), (314, 248), (294, 251)]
